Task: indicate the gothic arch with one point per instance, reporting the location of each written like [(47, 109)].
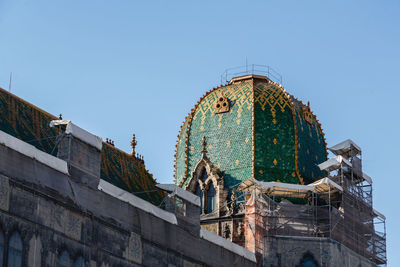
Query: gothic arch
[(214, 178), (308, 260)]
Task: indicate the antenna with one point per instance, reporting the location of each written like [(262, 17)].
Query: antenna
[(9, 85), (247, 71)]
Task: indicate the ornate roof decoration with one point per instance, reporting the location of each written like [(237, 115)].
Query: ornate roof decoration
[(133, 145), (222, 104), (204, 147), (308, 116)]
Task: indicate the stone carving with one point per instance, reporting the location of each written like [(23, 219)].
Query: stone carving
[(232, 207), (240, 229), (4, 193), (135, 248), (227, 231), (59, 218), (73, 227)]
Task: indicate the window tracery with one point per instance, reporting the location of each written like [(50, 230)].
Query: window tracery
[(211, 199), (207, 183), (199, 193)]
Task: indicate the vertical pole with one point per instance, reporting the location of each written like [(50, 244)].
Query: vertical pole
[(329, 207), (314, 212), (9, 85)]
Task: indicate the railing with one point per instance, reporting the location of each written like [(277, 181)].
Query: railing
[(264, 70)]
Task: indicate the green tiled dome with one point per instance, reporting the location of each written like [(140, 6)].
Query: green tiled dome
[(267, 134)]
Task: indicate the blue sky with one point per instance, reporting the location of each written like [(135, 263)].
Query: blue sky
[(121, 67)]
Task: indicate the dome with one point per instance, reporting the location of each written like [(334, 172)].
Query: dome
[(253, 128)]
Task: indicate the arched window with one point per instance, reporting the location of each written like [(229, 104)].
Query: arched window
[(15, 250), (204, 175), (308, 261), (64, 260), (1, 248), (79, 262), (199, 193), (211, 199)]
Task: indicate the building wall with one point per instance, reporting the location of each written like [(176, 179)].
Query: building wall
[(291, 251), (53, 213)]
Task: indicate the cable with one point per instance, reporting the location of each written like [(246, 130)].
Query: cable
[(40, 139)]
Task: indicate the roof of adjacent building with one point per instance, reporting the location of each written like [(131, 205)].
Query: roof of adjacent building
[(267, 134), (30, 124)]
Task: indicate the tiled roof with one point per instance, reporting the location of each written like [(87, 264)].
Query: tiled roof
[(31, 124)]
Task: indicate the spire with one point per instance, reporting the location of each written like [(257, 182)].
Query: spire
[(133, 144), (204, 147)]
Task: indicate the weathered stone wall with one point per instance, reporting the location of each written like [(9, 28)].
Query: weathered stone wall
[(53, 213), (290, 251)]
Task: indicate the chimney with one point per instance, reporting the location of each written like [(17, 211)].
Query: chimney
[(81, 150)]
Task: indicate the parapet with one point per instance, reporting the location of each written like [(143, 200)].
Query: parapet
[(81, 150)]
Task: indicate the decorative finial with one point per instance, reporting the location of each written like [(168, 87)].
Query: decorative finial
[(60, 117), (133, 144), (308, 117), (204, 146)]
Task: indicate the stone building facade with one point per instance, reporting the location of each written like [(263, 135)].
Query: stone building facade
[(60, 210), (295, 251), (253, 187)]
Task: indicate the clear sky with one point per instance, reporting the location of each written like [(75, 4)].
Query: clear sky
[(121, 67)]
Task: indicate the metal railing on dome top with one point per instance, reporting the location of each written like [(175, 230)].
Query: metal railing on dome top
[(264, 70)]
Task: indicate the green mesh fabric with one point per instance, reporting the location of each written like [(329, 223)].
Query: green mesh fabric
[(31, 124), (278, 126)]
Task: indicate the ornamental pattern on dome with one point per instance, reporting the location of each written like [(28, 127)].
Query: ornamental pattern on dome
[(222, 104), (238, 96), (274, 160), (275, 97), (264, 135)]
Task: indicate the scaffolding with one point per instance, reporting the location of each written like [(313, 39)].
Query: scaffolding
[(338, 206)]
